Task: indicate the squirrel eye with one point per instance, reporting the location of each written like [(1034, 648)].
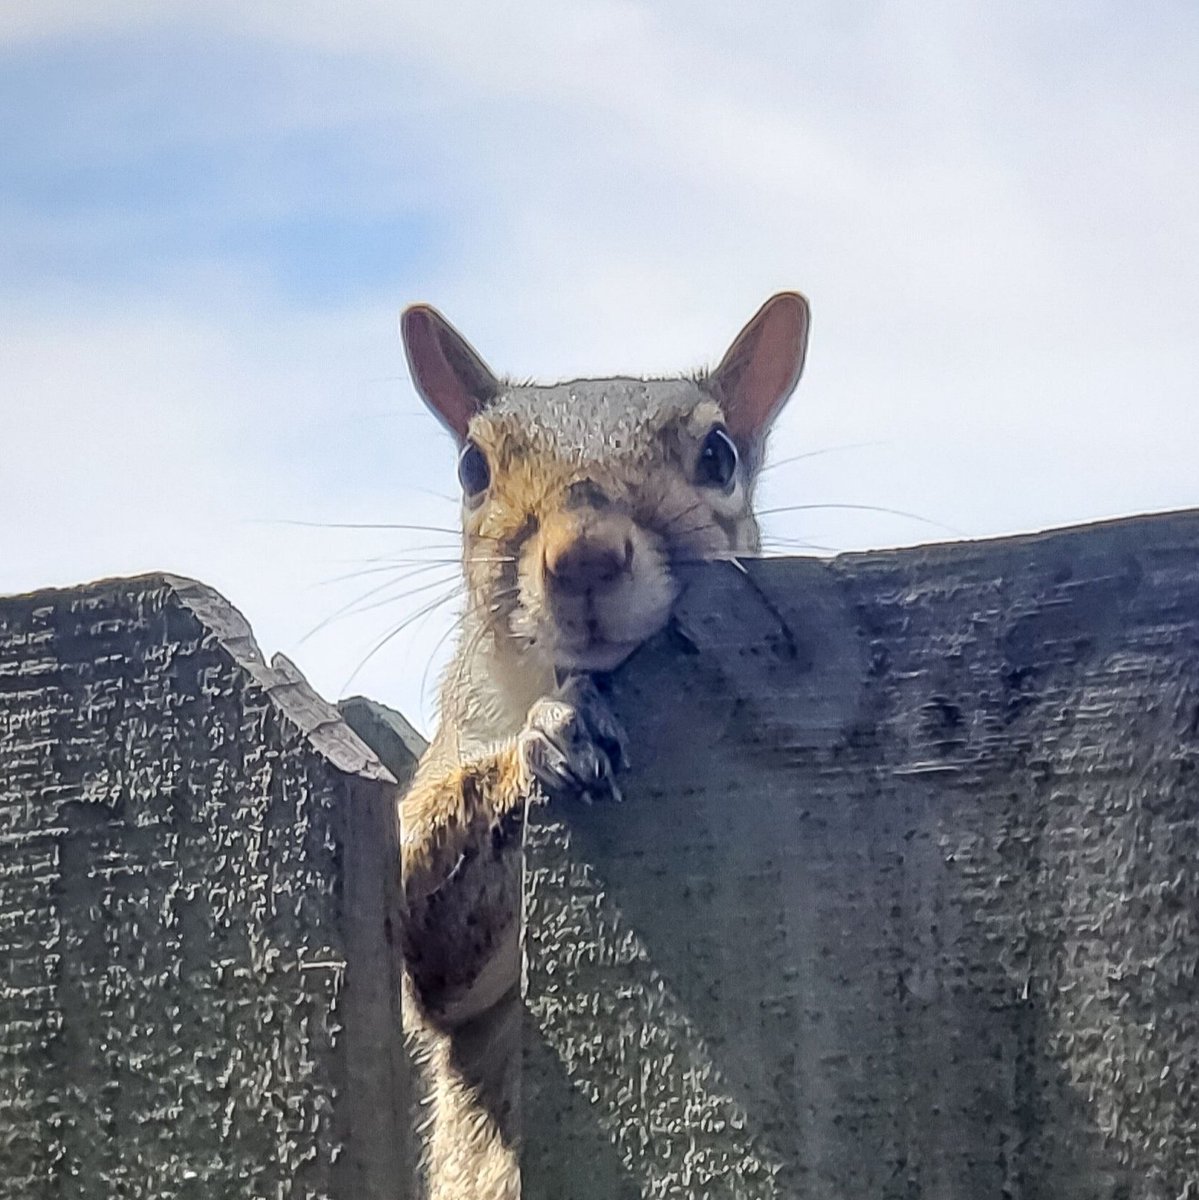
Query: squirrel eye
[(717, 459), (473, 472)]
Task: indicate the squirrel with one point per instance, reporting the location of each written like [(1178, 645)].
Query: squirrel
[(578, 502)]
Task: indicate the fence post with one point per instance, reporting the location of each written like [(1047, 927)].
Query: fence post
[(198, 992)]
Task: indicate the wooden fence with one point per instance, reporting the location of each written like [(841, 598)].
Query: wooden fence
[(902, 902)]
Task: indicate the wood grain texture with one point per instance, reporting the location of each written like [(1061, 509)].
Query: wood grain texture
[(902, 901), (198, 994), (903, 898)]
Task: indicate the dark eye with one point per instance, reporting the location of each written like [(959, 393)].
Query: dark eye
[(717, 459), (473, 472)]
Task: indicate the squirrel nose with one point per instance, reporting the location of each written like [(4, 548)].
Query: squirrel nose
[(590, 561)]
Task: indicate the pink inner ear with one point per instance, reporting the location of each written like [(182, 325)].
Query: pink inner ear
[(423, 331), (763, 365)]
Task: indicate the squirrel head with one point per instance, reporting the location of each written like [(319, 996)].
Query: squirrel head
[(580, 499)]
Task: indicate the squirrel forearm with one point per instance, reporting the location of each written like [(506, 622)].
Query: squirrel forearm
[(460, 866)]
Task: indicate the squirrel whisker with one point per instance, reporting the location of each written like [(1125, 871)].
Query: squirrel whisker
[(364, 525), (419, 565), (895, 512), (465, 650), (423, 611), (357, 606), (453, 628), (794, 458), (786, 543), (396, 563)]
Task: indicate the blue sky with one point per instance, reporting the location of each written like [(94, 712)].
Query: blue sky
[(210, 215)]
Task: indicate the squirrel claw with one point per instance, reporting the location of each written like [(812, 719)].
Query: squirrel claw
[(572, 745)]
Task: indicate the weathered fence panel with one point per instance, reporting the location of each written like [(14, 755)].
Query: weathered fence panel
[(197, 873), (903, 899)]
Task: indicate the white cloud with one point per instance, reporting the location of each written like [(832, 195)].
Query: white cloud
[(992, 209)]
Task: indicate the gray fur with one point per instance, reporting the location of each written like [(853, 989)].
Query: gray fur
[(589, 419)]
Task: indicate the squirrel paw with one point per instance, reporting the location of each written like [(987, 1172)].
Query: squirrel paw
[(572, 744)]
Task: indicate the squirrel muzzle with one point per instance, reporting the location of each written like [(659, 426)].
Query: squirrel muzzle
[(604, 586)]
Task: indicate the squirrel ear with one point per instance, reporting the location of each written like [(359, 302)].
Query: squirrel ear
[(448, 372), (763, 365)]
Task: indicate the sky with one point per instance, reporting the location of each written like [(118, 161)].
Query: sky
[(211, 214)]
